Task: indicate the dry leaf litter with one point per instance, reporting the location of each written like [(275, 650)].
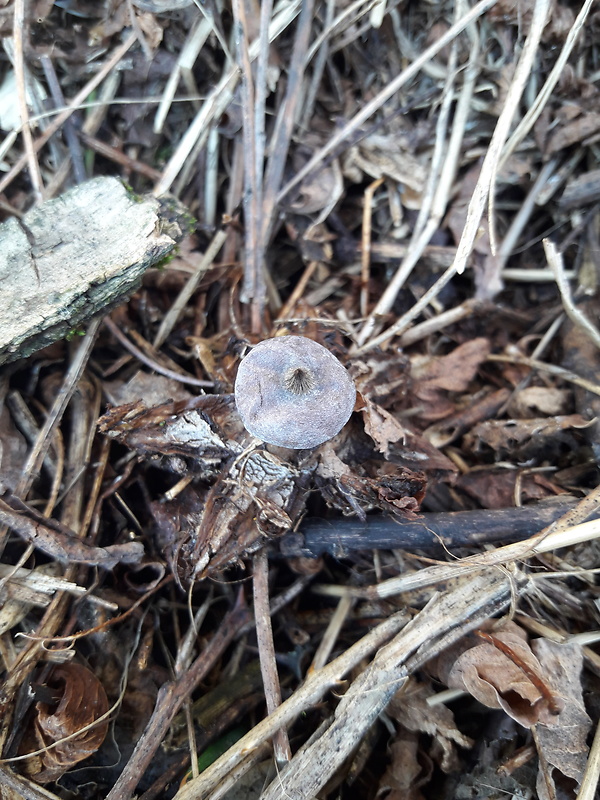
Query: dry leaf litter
[(416, 188)]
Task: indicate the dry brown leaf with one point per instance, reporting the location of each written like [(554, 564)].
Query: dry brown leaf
[(527, 437), (563, 744), (386, 156), (111, 24), (566, 135), (455, 371), (493, 487), (153, 32), (41, 9), (81, 701), (382, 426), (411, 710), (519, 12), (513, 11), (484, 405), (318, 192), (517, 683), (404, 775), (331, 466), (533, 400), (560, 22), (434, 376)]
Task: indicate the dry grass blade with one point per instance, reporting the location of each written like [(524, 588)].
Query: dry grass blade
[(74, 104), (309, 693), (19, 30), (254, 281), (551, 369), (75, 152), (539, 18), (366, 245), (485, 183), (187, 57), (216, 103), (556, 263), (533, 112), (330, 636), (589, 785), (286, 119), (444, 166), (377, 102), (524, 214), (190, 287), (42, 443), (266, 651)]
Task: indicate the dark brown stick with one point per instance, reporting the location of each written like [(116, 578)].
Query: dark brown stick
[(118, 156), (451, 529)]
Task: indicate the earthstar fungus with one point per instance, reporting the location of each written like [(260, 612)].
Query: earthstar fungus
[(292, 392)]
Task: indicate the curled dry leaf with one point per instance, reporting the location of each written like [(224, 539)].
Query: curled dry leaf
[(503, 673), (316, 193), (81, 702), (453, 372), (485, 406)]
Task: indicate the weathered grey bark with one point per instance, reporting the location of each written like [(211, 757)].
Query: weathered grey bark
[(74, 256)]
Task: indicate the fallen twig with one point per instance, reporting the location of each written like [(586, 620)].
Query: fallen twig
[(59, 542), (435, 529)]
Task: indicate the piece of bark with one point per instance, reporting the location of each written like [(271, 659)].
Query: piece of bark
[(581, 190), (75, 256)]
